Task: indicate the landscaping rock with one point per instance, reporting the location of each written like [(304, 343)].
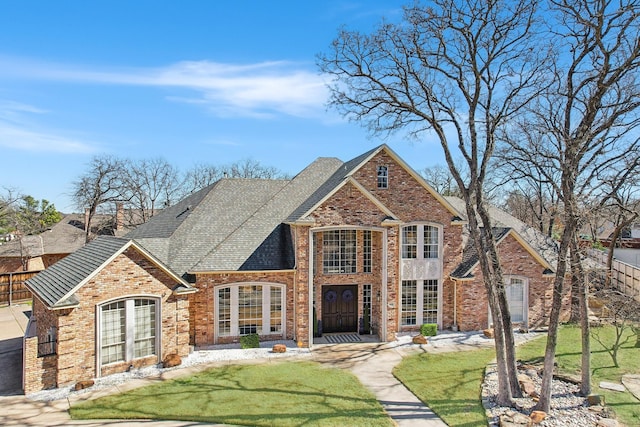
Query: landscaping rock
[(171, 360), (527, 385), (595, 400), (632, 383), (612, 386), (81, 385), (514, 419), (279, 348), (489, 333), (538, 416), (607, 422), (419, 339)]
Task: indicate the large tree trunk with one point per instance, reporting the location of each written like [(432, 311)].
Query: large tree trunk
[(544, 404), (582, 287), (508, 385), (507, 339)]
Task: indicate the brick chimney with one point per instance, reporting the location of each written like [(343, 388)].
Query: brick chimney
[(119, 225), (86, 218)]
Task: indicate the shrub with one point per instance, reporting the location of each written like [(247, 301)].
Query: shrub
[(250, 341), (429, 329)]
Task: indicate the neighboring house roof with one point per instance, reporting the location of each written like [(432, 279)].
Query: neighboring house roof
[(234, 224), (63, 237), (56, 286), (537, 244)]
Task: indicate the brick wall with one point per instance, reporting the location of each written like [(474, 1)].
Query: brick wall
[(203, 312), (129, 274), (410, 202), (473, 308)]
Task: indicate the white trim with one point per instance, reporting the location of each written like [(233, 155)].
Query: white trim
[(266, 308), (129, 329), (119, 252), (420, 280)]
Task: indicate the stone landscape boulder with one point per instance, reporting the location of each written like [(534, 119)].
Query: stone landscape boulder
[(171, 360), (279, 348)]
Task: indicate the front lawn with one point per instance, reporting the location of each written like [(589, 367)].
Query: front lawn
[(278, 394), (450, 383)]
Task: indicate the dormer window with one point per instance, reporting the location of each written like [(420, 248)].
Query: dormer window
[(383, 177)]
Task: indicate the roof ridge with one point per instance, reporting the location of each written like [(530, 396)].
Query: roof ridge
[(253, 214)]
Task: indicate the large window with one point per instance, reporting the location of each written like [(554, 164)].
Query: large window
[(420, 236), (128, 330), (250, 309), (339, 251), (419, 302)]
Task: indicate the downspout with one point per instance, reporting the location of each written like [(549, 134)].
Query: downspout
[(454, 327)]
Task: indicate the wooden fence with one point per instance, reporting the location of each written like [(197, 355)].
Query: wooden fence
[(624, 277), (12, 287)]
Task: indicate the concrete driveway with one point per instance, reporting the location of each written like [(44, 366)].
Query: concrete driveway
[(13, 323)]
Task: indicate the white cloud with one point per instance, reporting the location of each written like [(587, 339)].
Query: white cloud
[(17, 131), (263, 89)]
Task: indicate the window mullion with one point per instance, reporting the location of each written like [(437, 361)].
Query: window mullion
[(266, 310), (130, 327), (235, 328)]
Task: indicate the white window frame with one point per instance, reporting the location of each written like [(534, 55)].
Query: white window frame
[(265, 307), (419, 307), (420, 246), (511, 281), (129, 318), (346, 261), (382, 177), (508, 279)]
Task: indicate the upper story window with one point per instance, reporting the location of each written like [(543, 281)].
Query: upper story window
[(339, 251), (420, 236), (383, 177)]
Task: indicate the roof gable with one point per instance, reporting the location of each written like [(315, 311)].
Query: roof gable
[(57, 285), (348, 170)]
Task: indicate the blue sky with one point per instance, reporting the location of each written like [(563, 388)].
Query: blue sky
[(191, 82)]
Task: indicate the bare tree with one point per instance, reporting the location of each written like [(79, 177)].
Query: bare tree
[(199, 176), (102, 183), (440, 178), (460, 70), (148, 185), (582, 125), (202, 175)]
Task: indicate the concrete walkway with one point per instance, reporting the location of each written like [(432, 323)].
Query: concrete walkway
[(372, 363)]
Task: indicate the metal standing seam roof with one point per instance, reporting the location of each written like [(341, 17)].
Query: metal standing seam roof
[(54, 284), (57, 285)]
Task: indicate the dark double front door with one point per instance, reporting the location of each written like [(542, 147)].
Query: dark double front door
[(340, 308)]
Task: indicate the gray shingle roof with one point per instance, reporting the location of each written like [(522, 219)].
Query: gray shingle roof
[(341, 173), (501, 220), (235, 224), (54, 284)]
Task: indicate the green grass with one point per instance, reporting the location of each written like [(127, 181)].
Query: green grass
[(450, 383), (280, 394)]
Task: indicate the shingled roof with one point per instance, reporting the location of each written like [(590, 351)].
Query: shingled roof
[(538, 244), (56, 286), (234, 224)]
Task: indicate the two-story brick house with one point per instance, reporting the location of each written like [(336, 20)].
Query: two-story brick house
[(359, 246)]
